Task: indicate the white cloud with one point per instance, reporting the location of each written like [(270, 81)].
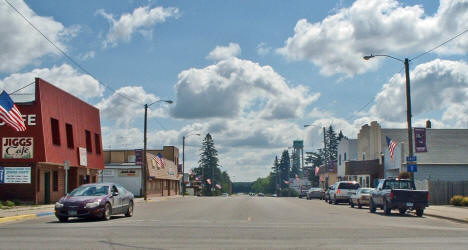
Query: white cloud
[(127, 104), (439, 85), (64, 76), (233, 87), (88, 55), (21, 45), (263, 49), (337, 43), (221, 52), (141, 20)]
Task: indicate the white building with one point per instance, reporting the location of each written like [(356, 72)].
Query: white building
[(347, 151)]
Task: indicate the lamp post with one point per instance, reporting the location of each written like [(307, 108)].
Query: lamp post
[(145, 162), (408, 102), (183, 162)]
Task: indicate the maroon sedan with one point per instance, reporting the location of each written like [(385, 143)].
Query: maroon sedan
[(98, 200)]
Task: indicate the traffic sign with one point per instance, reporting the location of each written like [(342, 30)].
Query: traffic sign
[(411, 158), (412, 168)]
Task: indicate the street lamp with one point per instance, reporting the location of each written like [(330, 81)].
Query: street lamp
[(408, 102), (145, 162), (183, 162)]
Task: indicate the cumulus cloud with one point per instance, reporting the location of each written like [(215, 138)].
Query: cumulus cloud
[(88, 55), (21, 45), (127, 103), (221, 52), (337, 43), (140, 21), (233, 87), (439, 85), (64, 76), (263, 49)]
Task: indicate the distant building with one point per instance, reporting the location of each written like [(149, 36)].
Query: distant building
[(328, 174), (61, 130), (124, 167), (347, 151)]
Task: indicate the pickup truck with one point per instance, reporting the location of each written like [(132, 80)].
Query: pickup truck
[(398, 194)]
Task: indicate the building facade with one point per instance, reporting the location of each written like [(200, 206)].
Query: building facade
[(347, 151), (124, 167), (60, 149)]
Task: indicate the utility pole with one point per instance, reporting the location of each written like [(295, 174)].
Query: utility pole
[(325, 155), (145, 162), (408, 113), (183, 166)]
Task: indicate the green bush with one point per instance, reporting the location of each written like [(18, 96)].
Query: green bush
[(9, 203), (288, 192), (17, 202), (456, 200), (465, 201)]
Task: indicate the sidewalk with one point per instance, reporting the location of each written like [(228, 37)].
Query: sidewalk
[(34, 211), (448, 212)]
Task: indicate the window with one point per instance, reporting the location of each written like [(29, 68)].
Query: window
[(363, 156), (55, 181), (97, 141), (88, 141), (339, 159), (69, 130), (55, 131), (345, 156)]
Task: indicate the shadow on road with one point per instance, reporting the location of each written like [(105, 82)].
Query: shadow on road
[(88, 220)]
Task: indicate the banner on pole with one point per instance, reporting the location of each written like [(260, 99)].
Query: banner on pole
[(420, 140)]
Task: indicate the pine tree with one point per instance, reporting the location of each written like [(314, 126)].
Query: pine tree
[(296, 165), (332, 144), (285, 166), (208, 165)]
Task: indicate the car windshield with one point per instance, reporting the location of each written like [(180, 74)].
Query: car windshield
[(365, 191), (398, 184), (90, 191), (349, 186)]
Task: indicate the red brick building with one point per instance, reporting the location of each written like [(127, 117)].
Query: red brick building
[(61, 129)]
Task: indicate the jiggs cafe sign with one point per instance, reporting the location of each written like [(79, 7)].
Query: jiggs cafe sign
[(21, 175), (17, 147)]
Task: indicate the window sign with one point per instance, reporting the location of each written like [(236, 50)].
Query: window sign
[(128, 172), (17, 147), (16, 175), (83, 157)]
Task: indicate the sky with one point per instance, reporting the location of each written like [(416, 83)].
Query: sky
[(250, 73)]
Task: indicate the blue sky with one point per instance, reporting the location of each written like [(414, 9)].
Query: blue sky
[(252, 73)]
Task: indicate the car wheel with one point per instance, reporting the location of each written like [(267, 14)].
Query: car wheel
[(63, 219), (129, 212), (359, 205), (329, 201), (372, 206), (107, 212), (419, 212), (402, 211), (386, 209), (351, 204), (335, 201)]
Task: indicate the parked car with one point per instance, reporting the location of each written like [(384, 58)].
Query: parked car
[(261, 194), (326, 195), (274, 195), (342, 191), (398, 194), (315, 193), (225, 194), (98, 200), (303, 190), (360, 197)]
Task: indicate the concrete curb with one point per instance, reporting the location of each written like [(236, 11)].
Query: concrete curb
[(24, 217), (446, 218)]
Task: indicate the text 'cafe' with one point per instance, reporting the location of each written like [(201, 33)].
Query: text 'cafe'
[(59, 149)]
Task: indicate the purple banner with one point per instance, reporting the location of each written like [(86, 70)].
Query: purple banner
[(138, 157), (420, 140)]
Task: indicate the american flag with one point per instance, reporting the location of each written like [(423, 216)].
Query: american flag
[(218, 186), (159, 161), (391, 146), (297, 177), (317, 169), (10, 114), (208, 181)]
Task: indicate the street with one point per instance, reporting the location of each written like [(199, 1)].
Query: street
[(239, 222)]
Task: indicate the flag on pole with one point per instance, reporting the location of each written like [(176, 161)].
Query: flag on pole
[(391, 146), (159, 161), (218, 186), (10, 114), (317, 169), (208, 181)]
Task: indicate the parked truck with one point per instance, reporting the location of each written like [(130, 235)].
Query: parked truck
[(401, 194)]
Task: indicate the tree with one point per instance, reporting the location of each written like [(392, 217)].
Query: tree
[(332, 144), (341, 135), (275, 175), (208, 165), (296, 165), (285, 166)]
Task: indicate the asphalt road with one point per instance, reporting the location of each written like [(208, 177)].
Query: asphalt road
[(239, 222)]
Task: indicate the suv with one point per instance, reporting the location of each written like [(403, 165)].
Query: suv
[(342, 191)]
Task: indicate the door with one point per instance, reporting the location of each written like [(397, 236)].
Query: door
[(47, 187), (116, 201)]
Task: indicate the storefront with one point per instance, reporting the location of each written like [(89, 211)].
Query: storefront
[(60, 149)]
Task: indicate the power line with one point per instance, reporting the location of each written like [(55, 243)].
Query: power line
[(67, 56), (440, 45), (22, 88)]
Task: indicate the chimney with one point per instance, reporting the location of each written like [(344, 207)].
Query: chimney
[(428, 124)]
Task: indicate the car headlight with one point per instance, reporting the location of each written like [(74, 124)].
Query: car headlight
[(93, 204), (58, 205)]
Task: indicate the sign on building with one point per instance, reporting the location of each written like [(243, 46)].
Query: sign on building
[(17, 147), (15, 175), (83, 157), (138, 157), (420, 140), (128, 172)]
